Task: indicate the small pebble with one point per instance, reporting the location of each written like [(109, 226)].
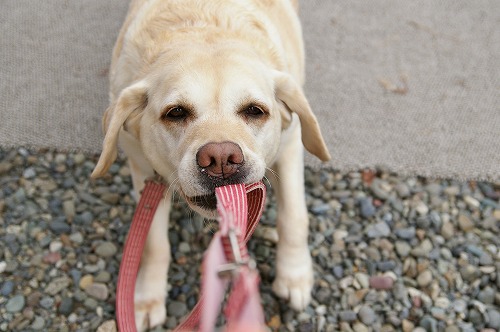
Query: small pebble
[(7, 288), (347, 316), (38, 323), (380, 229), (15, 304), (381, 282), (367, 315), (57, 285), (107, 326), (106, 250), (493, 319), (86, 281), (465, 223), (66, 306), (424, 278), (97, 290), (176, 308)]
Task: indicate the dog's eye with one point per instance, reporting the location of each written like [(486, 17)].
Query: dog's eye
[(254, 111), (175, 113)]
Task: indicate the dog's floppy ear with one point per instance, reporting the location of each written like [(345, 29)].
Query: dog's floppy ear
[(290, 93), (131, 99)]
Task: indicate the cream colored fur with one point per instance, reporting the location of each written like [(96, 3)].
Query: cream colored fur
[(214, 58)]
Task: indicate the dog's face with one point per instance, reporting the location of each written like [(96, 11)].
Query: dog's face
[(211, 120), (206, 118)]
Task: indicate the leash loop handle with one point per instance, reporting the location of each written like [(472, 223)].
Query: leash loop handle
[(240, 207)]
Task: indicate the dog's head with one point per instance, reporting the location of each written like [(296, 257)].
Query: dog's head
[(206, 118)]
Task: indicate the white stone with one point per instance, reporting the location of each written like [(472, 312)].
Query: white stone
[(3, 266), (55, 246)]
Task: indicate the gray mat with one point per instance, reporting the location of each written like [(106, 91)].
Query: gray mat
[(410, 85)]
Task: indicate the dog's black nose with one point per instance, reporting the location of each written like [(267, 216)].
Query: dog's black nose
[(220, 160)]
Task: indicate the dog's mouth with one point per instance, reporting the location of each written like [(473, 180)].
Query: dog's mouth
[(206, 202)]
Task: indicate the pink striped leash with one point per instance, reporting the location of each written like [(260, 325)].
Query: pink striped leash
[(240, 208)]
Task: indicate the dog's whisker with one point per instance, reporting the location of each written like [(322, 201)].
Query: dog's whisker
[(172, 187), (274, 173), (268, 182)]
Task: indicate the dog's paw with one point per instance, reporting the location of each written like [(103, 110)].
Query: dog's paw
[(294, 281), (150, 313), (149, 297)]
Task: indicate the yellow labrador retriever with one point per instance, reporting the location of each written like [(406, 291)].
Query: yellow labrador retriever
[(208, 93)]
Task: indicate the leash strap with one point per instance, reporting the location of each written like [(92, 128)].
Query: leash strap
[(132, 252), (240, 208)]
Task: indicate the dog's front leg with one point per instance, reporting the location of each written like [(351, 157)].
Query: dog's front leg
[(294, 273), (151, 284)]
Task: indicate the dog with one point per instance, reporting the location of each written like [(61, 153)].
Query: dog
[(208, 93)]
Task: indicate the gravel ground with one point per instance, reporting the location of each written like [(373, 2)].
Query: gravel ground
[(390, 253)]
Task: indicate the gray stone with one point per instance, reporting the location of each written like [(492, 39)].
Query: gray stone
[(103, 277), (47, 302), (84, 218), (347, 316), (29, 173), (424, 278), (111, 198), (15, 304), (98, 291), (57, 285), (66, 306), (323, 296), (106, 250), (366, 315), (402, 190), (422, 209), (475, 250), (38, 323), (69, 209), (447, 230), (475, 317), (366, 207), (487, 295), (76, 237), (423, 249), (90, 303), (107, 326), (493, 319), (338, 271), (406, 233), (403, 249), (469, 272), (452, 328), (176, 308), (434, 189), (321, 208), (485, 259), (59, 226), (429, 323), (386, 266), (459, 305), (359, 327), (380, 229), (184, 247), (7, 288), (378, 188), (438, 313)]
